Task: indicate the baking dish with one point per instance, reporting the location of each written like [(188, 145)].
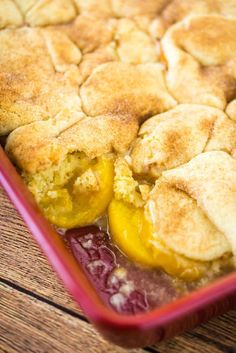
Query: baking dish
[(125, 330)]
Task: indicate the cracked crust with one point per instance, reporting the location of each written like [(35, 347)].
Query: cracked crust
[(204, 59), (53, 139), (177, 10), (10, 16), (90, 33), (199, 198), (138, 91), (98, 57), (100, 9), (122, 88), (231, 110), (36, 12), (30, 88), (133, 8), (189, 224), (131, 42), (175, 137)]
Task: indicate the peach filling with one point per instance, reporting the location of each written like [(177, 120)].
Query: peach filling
[(76, 192), (130, 231)]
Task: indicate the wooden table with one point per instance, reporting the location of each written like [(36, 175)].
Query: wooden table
[(38, 316)]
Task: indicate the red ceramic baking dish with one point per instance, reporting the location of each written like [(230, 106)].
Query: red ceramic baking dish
[(125, 330)]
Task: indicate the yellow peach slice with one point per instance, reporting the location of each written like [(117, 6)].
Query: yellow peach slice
[(84, 198), (131, 232), (126, 224)]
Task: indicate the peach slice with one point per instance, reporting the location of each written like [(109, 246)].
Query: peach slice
[(130, 232), (84, 198)]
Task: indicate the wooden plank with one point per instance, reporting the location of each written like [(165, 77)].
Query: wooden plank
[(22, 261), (29, 325), (25, 319), (218, 335)]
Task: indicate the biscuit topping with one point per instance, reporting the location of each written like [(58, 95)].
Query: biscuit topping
[(127, 106)]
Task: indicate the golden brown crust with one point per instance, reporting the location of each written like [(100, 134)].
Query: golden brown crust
[(56, 12), (231, 110), (25, 5), (182, 225), (101, 134), (70, 54), (101, 9), (35, 146), (63, 52), (177, 10), (210, 179), (10, 16), (46, 12), (175, 137), (122, 88), (89, 33), (205, 60), (132, 8), (158, 14), (134, 93), (15, 13), (30, 88), (98, 57), (50, 141), (134, 46)]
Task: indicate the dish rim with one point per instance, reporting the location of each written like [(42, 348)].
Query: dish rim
[(79, 285)]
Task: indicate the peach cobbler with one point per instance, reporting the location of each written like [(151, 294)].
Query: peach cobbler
[(125, 110)]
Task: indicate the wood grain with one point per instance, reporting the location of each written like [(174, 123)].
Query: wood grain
[(22, 261), (218, 335), (26, 326), (38, 316)]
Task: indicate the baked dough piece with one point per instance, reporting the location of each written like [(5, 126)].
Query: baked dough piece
[(46, 12), (64, 54), (231, 110), (98, 57), (90, 33), (134, 46), (34, 146), (202, 63), (126, 95), (131, 92), (94, 38), (132, 8), (121, 8), (30, 87), (193, 207), (173, 138), (102, 8), (177, 10), (26, 5), (10, 16), (126, 188), (15, 13), (99, 135), (126, 89), (50, 141)]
